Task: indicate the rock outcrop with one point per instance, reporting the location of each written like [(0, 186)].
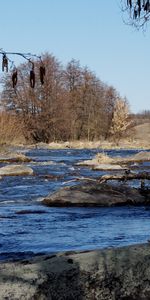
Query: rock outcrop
[(15, 170), (95, 194), (110, 274), (13, 158)]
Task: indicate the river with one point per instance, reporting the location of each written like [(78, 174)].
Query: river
[(28, 228)]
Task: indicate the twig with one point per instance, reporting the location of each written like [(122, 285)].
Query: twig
[(79, 179)]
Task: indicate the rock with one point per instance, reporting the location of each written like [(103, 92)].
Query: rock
[(102, 159), (109, 274), (13, 157), (95, 194), (43, 163), (99, 159), (137, 158), (14, 170), (108, 167), (141, 156)]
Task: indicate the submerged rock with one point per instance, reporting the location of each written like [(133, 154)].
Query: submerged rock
[(95, 194), (14, 170)]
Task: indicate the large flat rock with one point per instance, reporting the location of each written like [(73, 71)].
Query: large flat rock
[(108, 167), (110, 274), (13, 158), (14, 170), (95, 194)]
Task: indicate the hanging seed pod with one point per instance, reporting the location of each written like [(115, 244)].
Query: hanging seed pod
[(42, 74), (135, 14), (5, 63), (147, 6), (139, 7), (32, 76), (130, 3), (143, 3), (14, 78), (139, 4)]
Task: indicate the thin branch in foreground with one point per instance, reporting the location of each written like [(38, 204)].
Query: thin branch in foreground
[(80, 179)]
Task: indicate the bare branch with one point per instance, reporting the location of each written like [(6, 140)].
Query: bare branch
[(137, 12)]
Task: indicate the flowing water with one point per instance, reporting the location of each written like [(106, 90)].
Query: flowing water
[(27, 227)]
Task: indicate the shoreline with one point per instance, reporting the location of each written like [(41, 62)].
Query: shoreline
[(101, 145), (110, 273), (101, 274)]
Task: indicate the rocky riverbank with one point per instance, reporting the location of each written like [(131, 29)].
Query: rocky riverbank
[(110, 274), (84, 144)]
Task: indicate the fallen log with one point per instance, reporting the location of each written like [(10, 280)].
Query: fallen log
[(140, 176)]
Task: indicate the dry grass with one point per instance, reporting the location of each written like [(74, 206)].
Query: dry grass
[(103, 158), (142, 132), (11, 129)]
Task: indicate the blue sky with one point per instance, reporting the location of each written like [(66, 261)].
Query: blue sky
[(91, 31)]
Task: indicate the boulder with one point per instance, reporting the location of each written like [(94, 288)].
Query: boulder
[(108, 274), (13, 158), (109, 167), (95, 194), (14, 170)]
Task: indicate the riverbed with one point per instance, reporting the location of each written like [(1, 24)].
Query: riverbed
[(28, 228)]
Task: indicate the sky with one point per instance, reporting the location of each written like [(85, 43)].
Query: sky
[(91, 31)]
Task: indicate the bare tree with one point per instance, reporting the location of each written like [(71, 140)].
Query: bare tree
[(39, 107), (137, 12), (72, 104), (73, 81)]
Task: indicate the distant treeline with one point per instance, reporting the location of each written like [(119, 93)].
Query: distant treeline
[(142, 117), (72, 104)]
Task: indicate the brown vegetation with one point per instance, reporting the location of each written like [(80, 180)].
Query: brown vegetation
[(11, 128), (120, 120), (73, 104)]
